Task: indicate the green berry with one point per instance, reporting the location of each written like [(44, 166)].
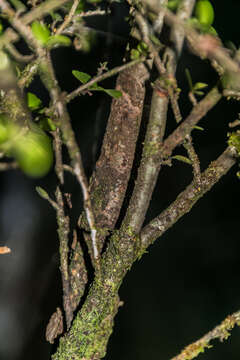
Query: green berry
[(33, 153), (204, 12)]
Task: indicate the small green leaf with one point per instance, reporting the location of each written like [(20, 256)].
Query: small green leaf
[(212, 31), (58, 40), (42, 192), (116, 94), (47, 124), (41, 32), (81, 76), (142, 48), (56, 16), (182, 158), (135, 54), (173, 4), (189, 79), (199, 85), (33, 101), (198, 128), (197, 92), (96, 87)]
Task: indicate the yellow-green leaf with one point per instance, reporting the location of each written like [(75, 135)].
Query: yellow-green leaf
[(33, 101), (41, 32), (42, 192), (58, 40), (116, 94), (182, 158), (199, 85), (81, 76)]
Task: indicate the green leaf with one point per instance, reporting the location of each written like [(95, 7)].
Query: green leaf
[(33, 101), (42, 192), (135, 54), (173, 4), (142, 48), (41, 32), (116, 94), (182, 158), (198, 128), (197, 92), (199, 85), (96, 87), (47, 124), (58, 40), (56, 16), (81, 76), (189, 79), (212, 31)]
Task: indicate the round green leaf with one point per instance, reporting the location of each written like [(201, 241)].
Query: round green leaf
[(41, 32)]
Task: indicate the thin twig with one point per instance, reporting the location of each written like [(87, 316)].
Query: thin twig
[(101, 77), (185, 128), (68, 18), (96, 12), (8, 166), (42, 9), (188, 198), (220, 332), (194, 158), (58, 154), (17, 56), (142, 23)]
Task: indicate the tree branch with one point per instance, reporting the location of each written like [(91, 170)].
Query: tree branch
[(188, 198), (220, 332), (150, 163)]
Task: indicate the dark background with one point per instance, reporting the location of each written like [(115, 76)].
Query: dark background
[(189, 280)]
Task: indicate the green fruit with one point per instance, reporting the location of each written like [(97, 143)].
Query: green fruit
[(8, 131), (33, 153), (204, 12)]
